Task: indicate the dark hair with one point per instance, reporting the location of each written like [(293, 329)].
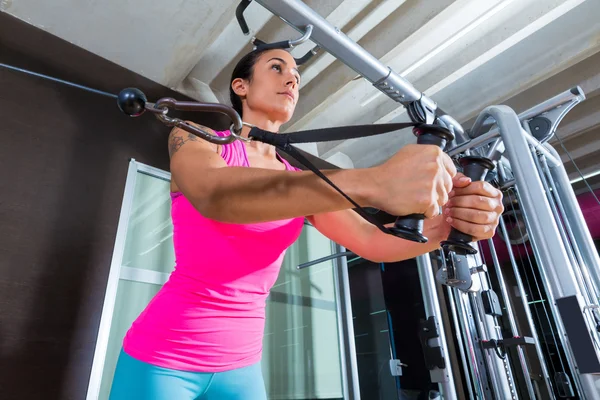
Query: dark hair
[(244, 70)]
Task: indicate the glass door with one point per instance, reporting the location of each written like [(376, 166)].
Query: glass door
[(143, 258), (302, 356)]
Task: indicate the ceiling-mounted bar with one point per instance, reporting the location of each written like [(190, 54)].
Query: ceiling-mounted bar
[(298, 15)]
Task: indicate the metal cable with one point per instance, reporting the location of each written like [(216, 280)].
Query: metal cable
[(88, 89), (570, 248), (487, 275), (562, 144), (540, 297), (531, 292), (499, 324)]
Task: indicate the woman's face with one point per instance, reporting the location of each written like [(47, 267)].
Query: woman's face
[(273, 89)]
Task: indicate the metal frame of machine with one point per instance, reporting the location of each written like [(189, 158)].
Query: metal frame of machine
[(564, 253)]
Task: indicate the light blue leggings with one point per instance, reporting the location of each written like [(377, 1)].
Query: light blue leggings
[(137, 380)]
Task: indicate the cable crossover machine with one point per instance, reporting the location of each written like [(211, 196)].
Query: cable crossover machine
[(495, 352)]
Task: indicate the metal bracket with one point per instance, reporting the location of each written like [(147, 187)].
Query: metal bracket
[(331, 39), (563, 385), (491, 303), (389, 89), (508, 342), (582, 340), (422, 110), (455, 272), (543, 126), (500, 345), (290, 44), (239, 14), (396, 367), (287, 44), (428, 330), (478, 269)]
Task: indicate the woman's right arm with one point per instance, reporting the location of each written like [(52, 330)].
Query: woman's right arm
[(251, 195)]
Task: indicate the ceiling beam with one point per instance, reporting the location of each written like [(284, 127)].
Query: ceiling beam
[(532, 45), (230, 42), (159, 40), (584, 74), (580, 146), (582, 119), (333, 85), (375, 12), (489, 83)]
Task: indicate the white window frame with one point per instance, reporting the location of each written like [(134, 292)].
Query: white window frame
[(118, 272)]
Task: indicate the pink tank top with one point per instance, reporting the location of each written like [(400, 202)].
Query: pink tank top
[(209, 316)]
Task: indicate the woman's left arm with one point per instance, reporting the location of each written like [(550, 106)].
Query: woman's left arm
[(474, 208)]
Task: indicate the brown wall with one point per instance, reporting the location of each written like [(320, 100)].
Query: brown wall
[(64, 155)]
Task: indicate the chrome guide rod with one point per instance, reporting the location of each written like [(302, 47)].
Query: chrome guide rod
[(573, 213), (458, 328), (488, 355), (539, 147), (561, 335), (511, 319), (445, 378), (593, 289), (503, 366), (472, 340), (576, 270), (499, 370), (548, 244), (523, 296)]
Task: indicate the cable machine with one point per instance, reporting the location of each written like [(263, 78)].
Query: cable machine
[(554, 262), (561, 263)]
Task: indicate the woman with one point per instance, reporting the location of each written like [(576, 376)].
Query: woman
[(236, 209)]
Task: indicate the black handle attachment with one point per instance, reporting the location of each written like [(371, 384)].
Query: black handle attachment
[(410, 227), (475, 168)]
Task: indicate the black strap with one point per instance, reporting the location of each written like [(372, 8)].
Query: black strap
[(325, 134), (283, 142)]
